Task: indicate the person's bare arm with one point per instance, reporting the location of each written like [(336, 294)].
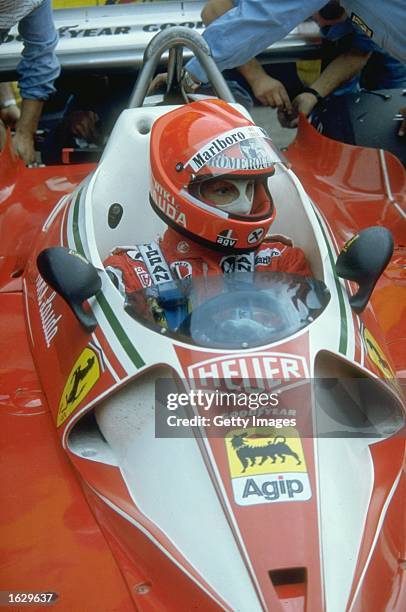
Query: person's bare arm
[(9, 111), (26, 126), (340, 70), (214, 9), (269, 91)]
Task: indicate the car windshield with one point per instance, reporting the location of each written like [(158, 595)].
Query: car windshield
[(229, 311)]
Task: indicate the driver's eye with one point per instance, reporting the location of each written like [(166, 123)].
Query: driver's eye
[(222, 190), (220, 193)]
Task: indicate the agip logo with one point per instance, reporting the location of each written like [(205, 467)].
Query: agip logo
[(267, 468)]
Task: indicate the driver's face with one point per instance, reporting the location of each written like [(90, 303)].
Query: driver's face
[(231, 195)]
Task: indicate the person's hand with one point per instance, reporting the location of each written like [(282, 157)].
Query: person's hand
[(23, 143), (83, 124), (157, 82), (10, 114), (271, 92), (189, 84), (303, 103), (9, 111), (402, 129), (288, 119)]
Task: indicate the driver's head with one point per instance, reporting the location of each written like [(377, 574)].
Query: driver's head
[(210, 167)]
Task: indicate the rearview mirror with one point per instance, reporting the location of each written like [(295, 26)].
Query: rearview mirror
[(363, 259), (73, 277)]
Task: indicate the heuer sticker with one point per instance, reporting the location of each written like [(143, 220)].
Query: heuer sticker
[(49, 318), (82, 378), (376, 354), (247, 372), (269, 467)]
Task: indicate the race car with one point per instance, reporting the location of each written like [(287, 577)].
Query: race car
[(117, 494)]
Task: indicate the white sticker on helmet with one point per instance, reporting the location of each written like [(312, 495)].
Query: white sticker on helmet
[(222, 142)]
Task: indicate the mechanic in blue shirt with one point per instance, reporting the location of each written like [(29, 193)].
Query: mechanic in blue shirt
[(344, 44), (344, 35), (253, 25), (38, 68)]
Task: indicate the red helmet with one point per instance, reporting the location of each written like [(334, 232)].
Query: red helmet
[(193, 146)]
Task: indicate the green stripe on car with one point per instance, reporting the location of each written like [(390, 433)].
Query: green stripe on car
[(101, 300), (343, 345)]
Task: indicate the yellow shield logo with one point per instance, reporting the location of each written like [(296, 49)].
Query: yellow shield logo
[(82, 378), (376, 354), (267, 467), (273, 451)]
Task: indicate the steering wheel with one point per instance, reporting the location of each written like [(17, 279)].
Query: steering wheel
[(255, 319)]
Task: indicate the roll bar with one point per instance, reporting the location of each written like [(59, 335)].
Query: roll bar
[(175, 39)]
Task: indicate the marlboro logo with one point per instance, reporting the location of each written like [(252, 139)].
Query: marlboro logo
[(221, 143)]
